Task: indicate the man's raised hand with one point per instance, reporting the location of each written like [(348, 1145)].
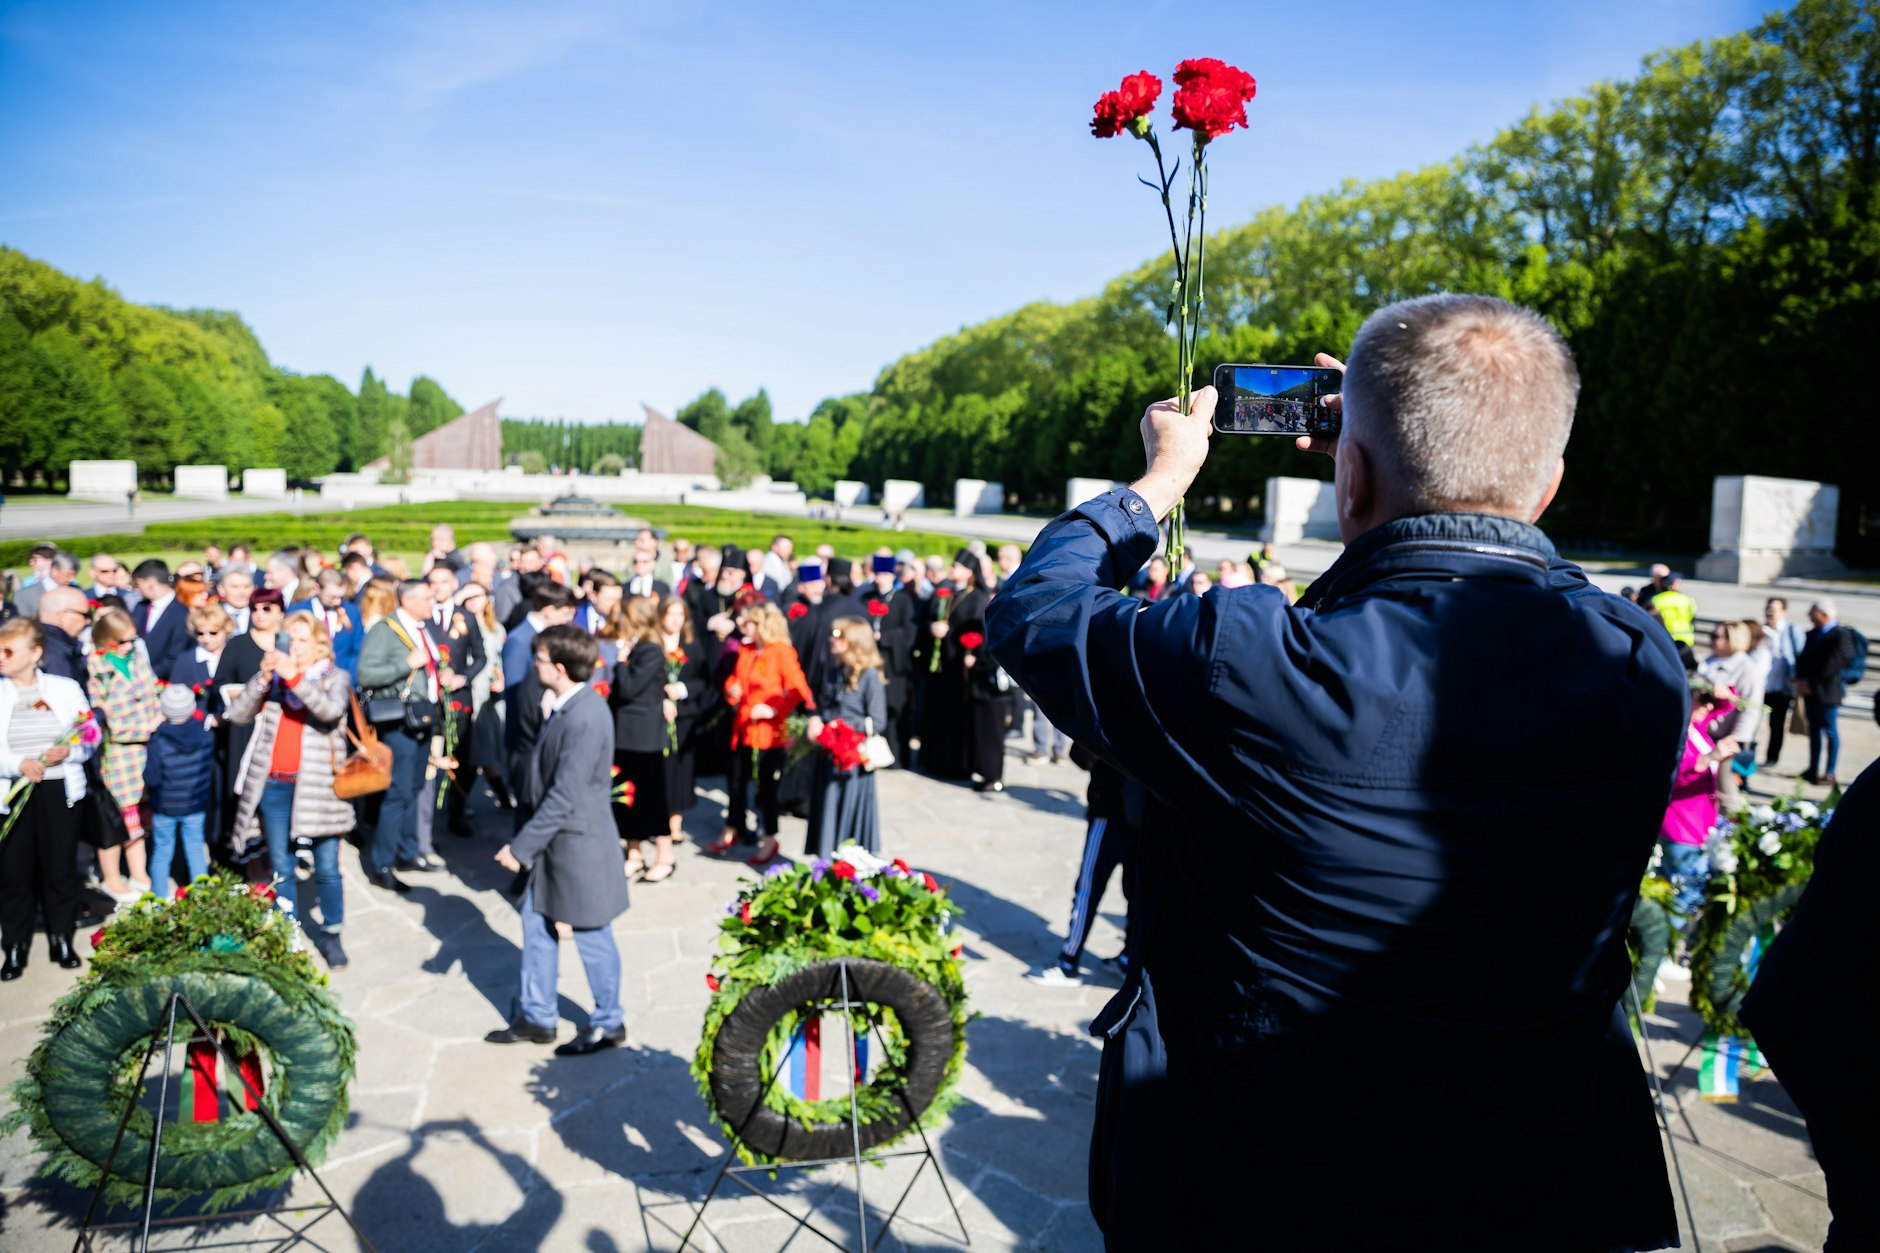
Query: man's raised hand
[(1176, 445), (1336, 403)]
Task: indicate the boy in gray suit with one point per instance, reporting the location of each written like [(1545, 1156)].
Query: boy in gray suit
[(577, 873)]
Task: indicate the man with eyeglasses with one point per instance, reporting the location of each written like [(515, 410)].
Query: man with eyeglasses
[(63, 617), (104, 569)]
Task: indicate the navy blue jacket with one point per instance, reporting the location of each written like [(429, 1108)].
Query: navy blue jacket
[(166, 637), (177, 770), (1384, 893)]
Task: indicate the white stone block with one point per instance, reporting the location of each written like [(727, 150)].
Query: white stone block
[(1079, 491), (849, 493), (899, 494), (1299, 509), (108, 480), (206, 482), (264, 483), (1762, 529), (971, 496)]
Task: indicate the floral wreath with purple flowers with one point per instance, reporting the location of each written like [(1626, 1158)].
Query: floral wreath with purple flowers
[(855, 906)]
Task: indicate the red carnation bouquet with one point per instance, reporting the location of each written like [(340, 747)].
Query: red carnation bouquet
[(675, 666), (844, 743), (942, 610), (1210, 100), (877, 608), (623, 789)]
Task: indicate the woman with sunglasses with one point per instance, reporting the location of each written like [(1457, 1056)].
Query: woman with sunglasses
[(267, 610), (123, 689), (39, 856), (202, 670)]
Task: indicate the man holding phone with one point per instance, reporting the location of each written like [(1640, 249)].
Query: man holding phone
[(1379, 942)]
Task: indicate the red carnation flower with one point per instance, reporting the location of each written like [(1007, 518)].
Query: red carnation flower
[(711, 981), (878, 608), (182, 892), (604, 687), (944, 593), (902, 866), (97, 936), (927, 881), (843, 870), (197, 715), (797, 611), (1211, 97), (443, 653), (261, 891), (970, 640), (744, 913), (1126, 108), (958, 949)]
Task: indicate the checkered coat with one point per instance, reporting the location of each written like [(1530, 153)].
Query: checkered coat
[(130, 714)]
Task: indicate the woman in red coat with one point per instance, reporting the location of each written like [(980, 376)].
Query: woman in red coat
[(766, 687)]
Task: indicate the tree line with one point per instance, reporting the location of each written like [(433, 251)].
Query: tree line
[(85, 373), (1705, 235)]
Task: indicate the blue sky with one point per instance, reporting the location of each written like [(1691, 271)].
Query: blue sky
[(580, 206)]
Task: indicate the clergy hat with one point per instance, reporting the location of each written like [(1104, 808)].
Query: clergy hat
[(883, 565), (809, 572)]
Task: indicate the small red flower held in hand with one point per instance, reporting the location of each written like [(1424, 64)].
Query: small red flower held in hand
[(605, 688), (877, 608), (1210, 97), (969, 640), (1127, 108), (798, 610), (944, 593)]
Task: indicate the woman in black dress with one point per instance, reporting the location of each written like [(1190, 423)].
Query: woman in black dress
[(638, 699), (943, 726), (976, 691), (690, 695)]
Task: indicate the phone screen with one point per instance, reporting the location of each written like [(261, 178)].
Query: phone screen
[(1276, 399)]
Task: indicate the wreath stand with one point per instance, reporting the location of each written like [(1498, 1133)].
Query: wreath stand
[(856, 1157), (140, 1240)]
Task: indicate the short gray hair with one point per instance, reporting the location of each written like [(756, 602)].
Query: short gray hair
[(1467, 400), (410, 587)]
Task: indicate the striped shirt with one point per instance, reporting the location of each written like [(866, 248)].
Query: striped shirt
[(35, 729)]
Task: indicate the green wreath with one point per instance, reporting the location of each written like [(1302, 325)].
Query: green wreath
[(1720, 977), (1648, 940), (778, 966), (237, 959)]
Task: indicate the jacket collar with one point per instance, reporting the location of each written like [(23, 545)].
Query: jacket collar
[(1444, 545)]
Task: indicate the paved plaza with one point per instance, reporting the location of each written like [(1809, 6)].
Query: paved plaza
[(459, 1145)]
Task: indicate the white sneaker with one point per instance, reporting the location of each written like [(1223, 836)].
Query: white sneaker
[(1054, 977)]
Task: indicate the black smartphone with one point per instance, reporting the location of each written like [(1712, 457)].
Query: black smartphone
[(1276, 399)]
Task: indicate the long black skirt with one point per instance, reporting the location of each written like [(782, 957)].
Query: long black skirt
[(681, 767), (647, 816), (842, 810), (985, 739)]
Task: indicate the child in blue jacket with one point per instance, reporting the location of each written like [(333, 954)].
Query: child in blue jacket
[(177, 776)]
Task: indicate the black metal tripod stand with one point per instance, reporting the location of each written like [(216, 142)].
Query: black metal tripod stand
[(165, 1036), (857, 1158)]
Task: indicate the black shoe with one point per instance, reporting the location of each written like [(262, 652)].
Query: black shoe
[(62, 955), (520, 1032), (1809, 776), (387, 880), (327, 944), (591, 1040), (15, 963), (415, 865), (988, 787)]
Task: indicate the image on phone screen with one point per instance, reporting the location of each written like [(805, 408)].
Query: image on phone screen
[(1273, 400)]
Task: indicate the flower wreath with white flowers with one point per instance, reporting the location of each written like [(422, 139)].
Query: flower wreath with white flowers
[(1760, 860), (779, 941)]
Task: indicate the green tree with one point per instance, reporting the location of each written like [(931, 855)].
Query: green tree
[(609, 463), (374, 420), (430, 407), (737, 462), (709, 415), (397, 453), (29, 412), (753, 417), (532, 461), (83, 401)]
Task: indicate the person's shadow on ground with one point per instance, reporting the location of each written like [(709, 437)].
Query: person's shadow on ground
[(399, 1208)]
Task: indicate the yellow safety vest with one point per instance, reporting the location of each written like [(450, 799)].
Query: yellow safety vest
[(1679, 614)]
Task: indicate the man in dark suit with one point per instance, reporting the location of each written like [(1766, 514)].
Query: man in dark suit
[(894, 613), (642, 582), (460, 643), (343, 624), (1323, 1008), (577, 873), (1821, 681), (603, 595), (550, 604), (161, 619)]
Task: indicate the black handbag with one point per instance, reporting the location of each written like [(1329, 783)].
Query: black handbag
[(416, 717), (102, 821)]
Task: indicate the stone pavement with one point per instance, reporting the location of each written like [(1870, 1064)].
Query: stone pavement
[(457, 1145)]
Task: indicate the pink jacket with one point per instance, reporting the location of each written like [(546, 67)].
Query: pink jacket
[(1693, 809)]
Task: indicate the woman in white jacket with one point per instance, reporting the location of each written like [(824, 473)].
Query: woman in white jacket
[(38, 716)]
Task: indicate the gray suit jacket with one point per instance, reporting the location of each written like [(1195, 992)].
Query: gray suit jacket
[(577, 872)]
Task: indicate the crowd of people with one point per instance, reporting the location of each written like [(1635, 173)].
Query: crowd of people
[(228, 692)]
